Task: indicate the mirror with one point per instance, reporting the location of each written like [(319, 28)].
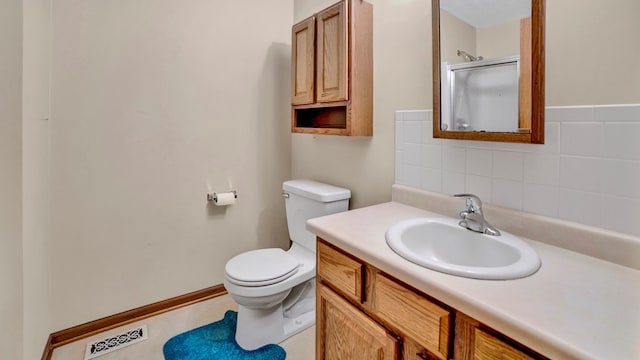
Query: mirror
[(488, 70)]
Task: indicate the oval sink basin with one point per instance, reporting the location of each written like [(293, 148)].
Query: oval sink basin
[(441, 244)]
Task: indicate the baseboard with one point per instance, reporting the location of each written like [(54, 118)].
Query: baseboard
[(82, 331)]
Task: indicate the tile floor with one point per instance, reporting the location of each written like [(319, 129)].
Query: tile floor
[(164, 326)]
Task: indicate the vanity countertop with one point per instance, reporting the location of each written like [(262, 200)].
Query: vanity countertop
[(575, 306)]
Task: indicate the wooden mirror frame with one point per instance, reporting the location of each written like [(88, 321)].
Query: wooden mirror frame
[(535, 103)]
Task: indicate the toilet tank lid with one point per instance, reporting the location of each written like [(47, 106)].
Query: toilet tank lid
[(316, 190)]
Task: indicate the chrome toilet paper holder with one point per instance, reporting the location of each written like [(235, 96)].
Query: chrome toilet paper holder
[(214, 196)]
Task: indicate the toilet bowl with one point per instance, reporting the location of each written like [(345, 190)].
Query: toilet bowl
[(264, 315), (274, 288)]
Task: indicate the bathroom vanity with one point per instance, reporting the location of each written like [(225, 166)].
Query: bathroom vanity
[(362, 310), (372, 303)]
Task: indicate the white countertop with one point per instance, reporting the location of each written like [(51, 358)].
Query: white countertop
[(575, 306)]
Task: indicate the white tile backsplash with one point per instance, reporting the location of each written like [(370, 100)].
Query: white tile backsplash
[(508, 165), (427, 134), (412, 132), (581, 173), (621, 178), (569, 114), (452, 183), (541, 169), (454, 158), (540, 199), (431, 180), (412, 175), (507, 193), (412, 154), (432, 156), (583, 139), (617, 113), (621, 214), (587, 171), (478, 185), (479, 162), (621, 141), (580, 206)]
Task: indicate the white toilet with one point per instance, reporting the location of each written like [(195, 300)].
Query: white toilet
[(275, 289)]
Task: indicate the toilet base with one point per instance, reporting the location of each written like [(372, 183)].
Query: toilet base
[(259, 327)]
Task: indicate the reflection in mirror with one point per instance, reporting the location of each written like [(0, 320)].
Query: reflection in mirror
[(489, 70), (471, 90)]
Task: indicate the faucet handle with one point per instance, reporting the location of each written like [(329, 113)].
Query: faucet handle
[(473, 202)]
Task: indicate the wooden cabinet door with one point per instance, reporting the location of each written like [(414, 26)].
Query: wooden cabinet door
[(345, 333), (411, 314), (332, 63), (303, 62)]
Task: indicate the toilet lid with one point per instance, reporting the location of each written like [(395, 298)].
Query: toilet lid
[(261, 267)]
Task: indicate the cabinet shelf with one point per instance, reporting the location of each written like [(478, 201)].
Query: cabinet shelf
[(321, 119)]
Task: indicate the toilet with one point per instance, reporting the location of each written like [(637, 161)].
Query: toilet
[(275, 289)]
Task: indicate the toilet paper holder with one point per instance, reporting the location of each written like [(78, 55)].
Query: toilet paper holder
[(214, 196)]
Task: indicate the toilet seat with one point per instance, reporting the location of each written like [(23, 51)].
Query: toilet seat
[(261, 267)]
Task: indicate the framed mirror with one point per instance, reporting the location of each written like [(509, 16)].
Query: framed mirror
[(488, 70)]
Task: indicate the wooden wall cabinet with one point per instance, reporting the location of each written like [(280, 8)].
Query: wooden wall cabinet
[(363, 313), (332, 71)]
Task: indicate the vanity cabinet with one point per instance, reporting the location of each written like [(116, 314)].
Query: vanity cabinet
[(332, 71), (364, 313)]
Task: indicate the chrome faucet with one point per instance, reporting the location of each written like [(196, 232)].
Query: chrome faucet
[(473, 219)]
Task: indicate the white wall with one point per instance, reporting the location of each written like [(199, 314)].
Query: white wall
[(11, 338), (154, 104), (401, 77), (35, 175)]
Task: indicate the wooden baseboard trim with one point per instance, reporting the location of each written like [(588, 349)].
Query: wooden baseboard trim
[(78, 332)]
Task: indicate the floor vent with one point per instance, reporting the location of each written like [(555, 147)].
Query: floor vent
[(116, 342)]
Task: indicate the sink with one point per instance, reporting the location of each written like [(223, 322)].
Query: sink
[(441, 244)]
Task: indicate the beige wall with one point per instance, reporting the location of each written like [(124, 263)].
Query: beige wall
[(499, 40), (35, 175), (402, 48), (154, 104), (11, 338), (489, 42), (456, 35), (593, 52)]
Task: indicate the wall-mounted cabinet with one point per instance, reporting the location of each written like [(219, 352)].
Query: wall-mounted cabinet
[(332, 71)]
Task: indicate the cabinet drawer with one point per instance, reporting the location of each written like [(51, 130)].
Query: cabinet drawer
[(487, 346), (341, 271), (420, 319)]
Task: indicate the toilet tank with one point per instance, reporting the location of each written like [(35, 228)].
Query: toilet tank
[(307, 199)]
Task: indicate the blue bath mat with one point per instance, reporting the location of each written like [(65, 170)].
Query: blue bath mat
[(216, 341)]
